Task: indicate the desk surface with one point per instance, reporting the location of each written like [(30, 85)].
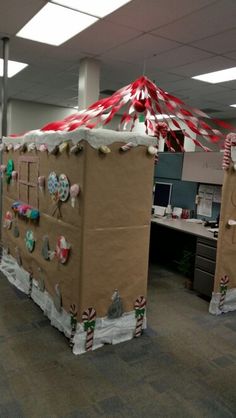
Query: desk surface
[(187, 227)]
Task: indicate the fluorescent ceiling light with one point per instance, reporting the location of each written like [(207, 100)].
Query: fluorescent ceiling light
[(55, 24), (99, 8), (234, 105), (14, 67), (218, 76)]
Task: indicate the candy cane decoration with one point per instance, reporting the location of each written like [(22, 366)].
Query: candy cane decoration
[(139, 308), (227, 153), (223, 290), (127, 146), (73, 322), (89, 320), (30, 284)]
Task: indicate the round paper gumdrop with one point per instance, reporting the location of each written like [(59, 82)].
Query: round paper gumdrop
[(62, 250)]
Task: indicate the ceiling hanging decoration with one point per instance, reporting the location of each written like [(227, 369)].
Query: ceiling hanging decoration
[(145, 98)]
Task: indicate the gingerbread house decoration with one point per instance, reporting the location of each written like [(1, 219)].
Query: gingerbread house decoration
[(76, 213)]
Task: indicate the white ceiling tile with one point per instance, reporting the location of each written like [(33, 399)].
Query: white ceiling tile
[(211, 20), (140, 48), (204, 66), (220, 44), (102, 37), (177, 57), (149, 14)]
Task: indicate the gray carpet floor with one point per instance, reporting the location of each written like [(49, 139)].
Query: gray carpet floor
[(184, 365)]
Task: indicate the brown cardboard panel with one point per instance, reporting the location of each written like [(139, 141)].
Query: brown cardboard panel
[(23, 193), (114, 258), (67, 275), (33, 196), (118, 187)]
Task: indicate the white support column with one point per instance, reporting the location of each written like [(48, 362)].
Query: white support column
[(89, 80)]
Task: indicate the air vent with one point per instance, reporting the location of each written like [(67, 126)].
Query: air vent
[(210, 110), (107, 92)]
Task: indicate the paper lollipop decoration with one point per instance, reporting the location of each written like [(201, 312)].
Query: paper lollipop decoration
[(89, 320), (63, 188), (139, 308), (74, 192), (127, 147), (7, 220), (53, 185), (62, 250), (29, 240), (41, 183)]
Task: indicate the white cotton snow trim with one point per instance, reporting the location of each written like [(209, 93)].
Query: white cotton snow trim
[(107, 331), (95, 138), (229, 302)]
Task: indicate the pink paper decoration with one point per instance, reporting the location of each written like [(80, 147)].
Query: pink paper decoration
[(42, 147), (62, 250), (74, 192)]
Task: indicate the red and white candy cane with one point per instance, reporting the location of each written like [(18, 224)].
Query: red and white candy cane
[(223, 290), (89, 320), (127, 146), (227, 153), (73, 322), (139, 307)]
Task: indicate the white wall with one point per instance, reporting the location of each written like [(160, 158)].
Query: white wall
[(24, 116)]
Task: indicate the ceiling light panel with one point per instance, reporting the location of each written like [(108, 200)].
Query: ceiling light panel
[(218, 76), (234, 105), (99, 8), (14, 67), (54, 25)]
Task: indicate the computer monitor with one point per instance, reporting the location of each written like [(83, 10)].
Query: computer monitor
[(162, 194)]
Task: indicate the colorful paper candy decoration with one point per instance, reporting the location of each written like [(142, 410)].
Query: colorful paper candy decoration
[(74, 193), (25, 210), (62, 250), (63, 188), (14, 175), (29, 241)]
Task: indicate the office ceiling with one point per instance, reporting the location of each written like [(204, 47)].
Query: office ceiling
[(168, 40)]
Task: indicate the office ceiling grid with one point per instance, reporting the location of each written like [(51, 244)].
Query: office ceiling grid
[(169, 40)]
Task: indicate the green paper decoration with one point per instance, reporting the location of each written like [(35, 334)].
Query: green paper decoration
[(10, 168)]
